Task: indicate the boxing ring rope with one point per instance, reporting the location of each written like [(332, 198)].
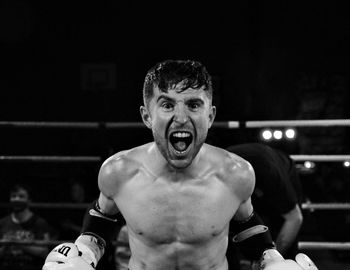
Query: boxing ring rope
[(46, 242), (51, 158), (321, 158), (299, 123), (318, 158), (93, 125), (324, 245), (77, 125), (219, 124), (325, 206)]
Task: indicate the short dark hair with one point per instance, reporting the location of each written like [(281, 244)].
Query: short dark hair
[(21, 186), (169, 73)]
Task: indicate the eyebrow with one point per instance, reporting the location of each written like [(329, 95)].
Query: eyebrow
[(191, 99), (197, 100), (165, 98)]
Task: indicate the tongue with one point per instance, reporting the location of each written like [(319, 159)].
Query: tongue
[(180, 146)]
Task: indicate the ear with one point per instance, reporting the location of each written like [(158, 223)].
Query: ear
[(212, 115), (146, 117)]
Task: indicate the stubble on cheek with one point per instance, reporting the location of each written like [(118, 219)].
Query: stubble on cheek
[(161, 142)]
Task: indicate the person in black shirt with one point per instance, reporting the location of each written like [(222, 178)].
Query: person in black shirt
[(277, 195), (22, 225)]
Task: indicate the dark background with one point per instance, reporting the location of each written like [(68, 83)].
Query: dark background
[(86, 60), (258, 54)]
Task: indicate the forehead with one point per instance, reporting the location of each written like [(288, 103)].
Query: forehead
[(179, 94)]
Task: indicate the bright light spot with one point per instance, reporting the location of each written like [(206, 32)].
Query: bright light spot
[(266, 134), (277, 134), (346, 163), (290, 133), (309, 164)]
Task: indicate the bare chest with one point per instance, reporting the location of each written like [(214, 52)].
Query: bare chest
[(190, 212)]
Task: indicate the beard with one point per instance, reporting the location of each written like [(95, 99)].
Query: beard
[(163, 146)]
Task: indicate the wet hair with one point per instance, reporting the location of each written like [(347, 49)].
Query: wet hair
[(168, 74)]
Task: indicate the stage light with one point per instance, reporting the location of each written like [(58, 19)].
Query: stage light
[(290, 133), (277, 134), (266, 134), (309, 164)]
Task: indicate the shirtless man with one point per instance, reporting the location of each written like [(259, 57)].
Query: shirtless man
[(176, 194)]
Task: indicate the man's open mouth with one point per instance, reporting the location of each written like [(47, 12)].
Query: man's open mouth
[(180, 141)]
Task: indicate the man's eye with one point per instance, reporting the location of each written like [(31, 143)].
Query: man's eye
[(194, 105), (167, 105)]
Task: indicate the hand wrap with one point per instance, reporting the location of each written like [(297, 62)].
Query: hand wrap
[(101, 225), (252, 236), (98, 228)]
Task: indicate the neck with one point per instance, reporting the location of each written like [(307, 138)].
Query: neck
[(21, 216), (163, 165)]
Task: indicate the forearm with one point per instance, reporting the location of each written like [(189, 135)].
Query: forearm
[(99, 227), (289, 230), (252, 237), (287, 235)]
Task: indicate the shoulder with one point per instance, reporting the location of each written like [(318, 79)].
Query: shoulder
[(237, 172), (119, 168), (228, 162), (39, 220)]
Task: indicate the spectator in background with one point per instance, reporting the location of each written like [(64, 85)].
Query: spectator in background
[(22, 225), (277, 195), (71, 223)]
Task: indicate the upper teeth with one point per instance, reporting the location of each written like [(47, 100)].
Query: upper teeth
[(181, 134)]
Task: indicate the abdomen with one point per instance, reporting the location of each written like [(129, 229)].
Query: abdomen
[(178, 255)]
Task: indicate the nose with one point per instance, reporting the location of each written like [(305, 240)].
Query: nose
[(180, 114)]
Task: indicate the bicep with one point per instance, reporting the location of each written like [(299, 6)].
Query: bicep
[(108, 183), (244, 189), (244, 211)]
